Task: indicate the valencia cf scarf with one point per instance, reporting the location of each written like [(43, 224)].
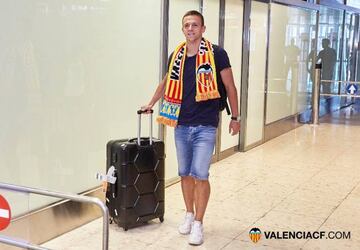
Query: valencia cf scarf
[(206, 84)]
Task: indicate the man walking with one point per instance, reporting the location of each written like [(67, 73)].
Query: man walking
[(327, 57), (191, 105)]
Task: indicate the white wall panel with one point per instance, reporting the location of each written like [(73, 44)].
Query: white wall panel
[(211, 16), (72, 75)]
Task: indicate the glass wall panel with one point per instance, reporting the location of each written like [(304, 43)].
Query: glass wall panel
[(257, 61), (291, 32), (357, 48), (329, 47), (233, 46), (211, 16), (177, 10), (70, 81), (349, 50)]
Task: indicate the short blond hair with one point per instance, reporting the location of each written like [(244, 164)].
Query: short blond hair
[(194, 13)]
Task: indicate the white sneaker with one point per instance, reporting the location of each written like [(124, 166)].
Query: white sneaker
[(185, 227), (196, 234)]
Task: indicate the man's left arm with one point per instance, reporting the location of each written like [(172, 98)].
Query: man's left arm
[(228, 80)]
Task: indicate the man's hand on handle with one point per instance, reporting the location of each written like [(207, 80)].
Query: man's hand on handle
[(147, 108)]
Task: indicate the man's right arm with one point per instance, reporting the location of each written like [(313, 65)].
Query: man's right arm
[(157, 95)]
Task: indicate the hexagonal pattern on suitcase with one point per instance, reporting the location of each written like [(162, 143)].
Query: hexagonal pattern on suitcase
[(146, 159)]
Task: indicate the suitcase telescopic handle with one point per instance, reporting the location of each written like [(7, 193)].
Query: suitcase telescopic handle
[(140, 112)]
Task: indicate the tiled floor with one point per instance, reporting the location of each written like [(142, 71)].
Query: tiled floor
[(306, 180)]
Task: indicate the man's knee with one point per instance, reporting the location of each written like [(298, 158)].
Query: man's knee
[(187, 179), (202, 182)]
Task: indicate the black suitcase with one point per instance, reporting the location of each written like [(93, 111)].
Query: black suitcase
[(137, 196)]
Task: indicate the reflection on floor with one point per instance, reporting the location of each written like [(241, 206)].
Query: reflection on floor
[(305, 180), (349, 114)]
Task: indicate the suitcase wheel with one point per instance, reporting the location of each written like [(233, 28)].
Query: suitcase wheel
[(111, 220), (161, 219), (126, 228)]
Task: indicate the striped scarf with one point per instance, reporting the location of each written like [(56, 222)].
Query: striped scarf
[(206, 84)]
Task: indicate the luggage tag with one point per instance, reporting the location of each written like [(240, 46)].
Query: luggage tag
[(108, 178)]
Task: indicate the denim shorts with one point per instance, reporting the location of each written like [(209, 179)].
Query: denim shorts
[(194, 148)]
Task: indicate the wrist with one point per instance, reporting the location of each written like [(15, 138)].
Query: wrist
[(235, 118)]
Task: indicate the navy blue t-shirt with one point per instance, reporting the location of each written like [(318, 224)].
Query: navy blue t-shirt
[(204, 113)]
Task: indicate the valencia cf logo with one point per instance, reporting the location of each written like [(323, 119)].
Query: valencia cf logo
[(255, 234), (205, 75)]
